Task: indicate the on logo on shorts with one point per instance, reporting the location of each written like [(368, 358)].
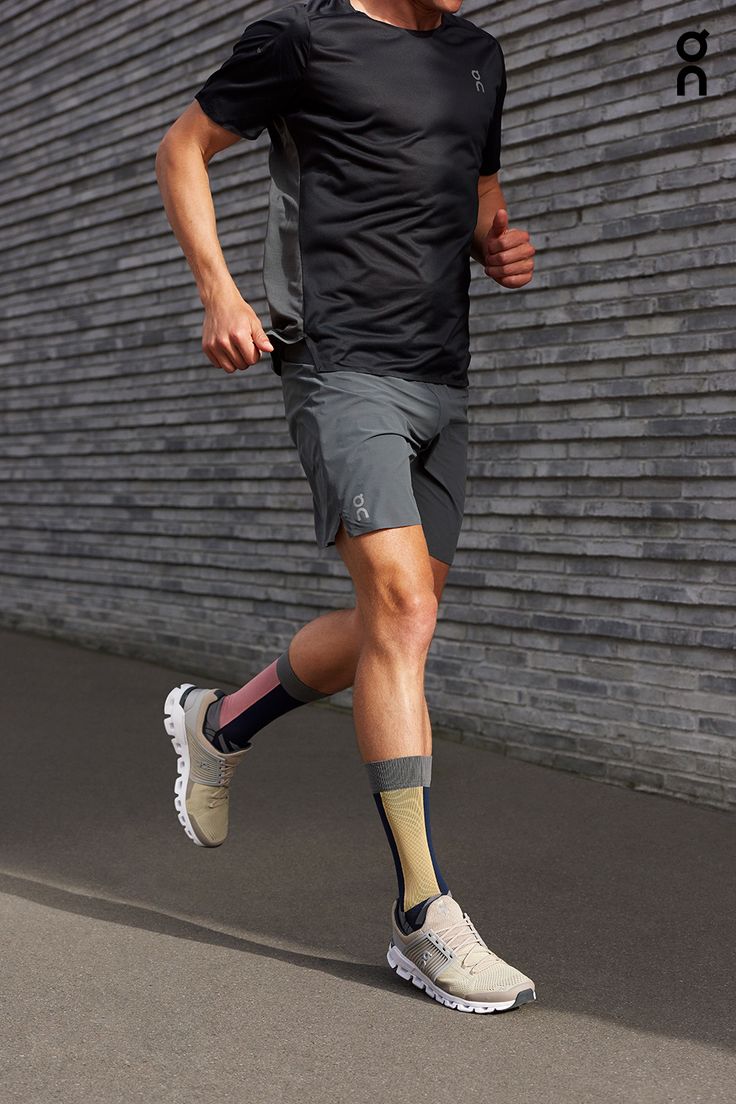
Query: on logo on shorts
[(360, 510)]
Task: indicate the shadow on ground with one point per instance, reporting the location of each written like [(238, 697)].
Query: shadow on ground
[(619, 904)]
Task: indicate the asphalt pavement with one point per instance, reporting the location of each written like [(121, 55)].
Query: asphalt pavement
[(139, 967)]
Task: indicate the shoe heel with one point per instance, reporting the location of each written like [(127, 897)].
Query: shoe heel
[(393, 959), (174, 725)]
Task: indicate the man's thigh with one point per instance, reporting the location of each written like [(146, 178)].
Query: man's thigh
[(388, 566), (380, 551)]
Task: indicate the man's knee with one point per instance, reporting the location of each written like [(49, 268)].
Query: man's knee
[(400, 598), (394, 585), (404, 615), (398, 613)]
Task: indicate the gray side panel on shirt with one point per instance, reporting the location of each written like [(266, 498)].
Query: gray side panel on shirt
[(282, 263)]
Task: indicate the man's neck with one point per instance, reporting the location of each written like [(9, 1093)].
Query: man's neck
[(400, 13)]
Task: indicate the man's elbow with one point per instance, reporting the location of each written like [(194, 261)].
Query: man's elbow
[(163, 157), (177, 139), (186, 135), (161, 152), (180, 146)]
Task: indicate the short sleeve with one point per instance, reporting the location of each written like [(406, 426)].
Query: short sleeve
[(491, 162), (262, 78)]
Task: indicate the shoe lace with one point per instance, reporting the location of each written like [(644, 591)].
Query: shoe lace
[(463, 938), (221, 792)]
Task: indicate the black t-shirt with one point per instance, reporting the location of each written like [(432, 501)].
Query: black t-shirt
[(378, 136)]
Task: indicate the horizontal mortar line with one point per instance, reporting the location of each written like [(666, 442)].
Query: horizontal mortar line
[(33, 466), (524, 436), (492, 485)]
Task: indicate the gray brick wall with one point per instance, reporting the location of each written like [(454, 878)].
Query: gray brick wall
[(153, 506)]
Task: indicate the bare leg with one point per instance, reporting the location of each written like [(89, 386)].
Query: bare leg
[(397, 604), (324, 653)]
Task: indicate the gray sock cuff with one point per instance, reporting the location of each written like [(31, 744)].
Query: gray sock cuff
[(294, 685), (400, 774)]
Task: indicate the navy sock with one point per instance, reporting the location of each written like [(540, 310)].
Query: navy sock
[(273, 692), (413, 919)]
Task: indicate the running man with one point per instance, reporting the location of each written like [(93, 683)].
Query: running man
[(385, 125)]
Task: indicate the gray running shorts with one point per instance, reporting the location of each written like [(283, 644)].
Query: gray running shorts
[(379, 452)]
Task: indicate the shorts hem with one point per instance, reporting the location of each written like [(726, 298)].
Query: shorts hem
[(352, 532)]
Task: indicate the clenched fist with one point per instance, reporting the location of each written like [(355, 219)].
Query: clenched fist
[(232, 335), (508, 254)]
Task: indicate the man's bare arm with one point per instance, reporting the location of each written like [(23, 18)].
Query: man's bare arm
[(232, 334), (507, 255)]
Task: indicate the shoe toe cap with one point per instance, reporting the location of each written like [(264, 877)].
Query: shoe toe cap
[(498, 985), (208, 822)]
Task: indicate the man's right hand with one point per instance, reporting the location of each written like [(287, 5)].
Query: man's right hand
[(232, 335)]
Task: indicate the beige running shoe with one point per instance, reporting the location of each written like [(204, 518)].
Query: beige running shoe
[(448, 959), (202, 788)]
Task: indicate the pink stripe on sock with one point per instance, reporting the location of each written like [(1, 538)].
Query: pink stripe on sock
[(235, 704)]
